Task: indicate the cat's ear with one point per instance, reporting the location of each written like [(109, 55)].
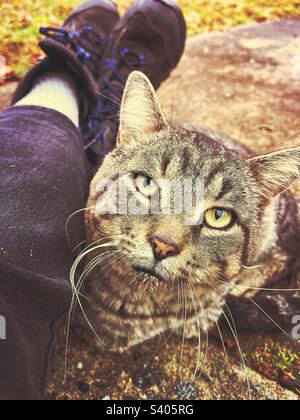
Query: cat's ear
[(275, 172), (141, 113)]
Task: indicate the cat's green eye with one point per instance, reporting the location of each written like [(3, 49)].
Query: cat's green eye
[(218, 218), (146, 185)]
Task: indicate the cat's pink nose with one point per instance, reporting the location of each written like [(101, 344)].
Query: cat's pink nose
[(163, 247)]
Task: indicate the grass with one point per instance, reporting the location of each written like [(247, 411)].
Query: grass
[(20, 21)]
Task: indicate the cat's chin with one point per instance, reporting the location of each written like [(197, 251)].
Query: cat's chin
[(152, 276)]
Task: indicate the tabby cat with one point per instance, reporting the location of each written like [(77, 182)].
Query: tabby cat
[(145, 271)]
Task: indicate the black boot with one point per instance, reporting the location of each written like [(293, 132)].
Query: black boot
[(149, 38), (77, 47)]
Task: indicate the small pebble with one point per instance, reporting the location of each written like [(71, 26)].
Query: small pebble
[(228, 93), (83, 387), (153, 397), (206, 378), (185, 391), (266, 130), (148, 377), (136, 355), (145, 380), (256, 391)]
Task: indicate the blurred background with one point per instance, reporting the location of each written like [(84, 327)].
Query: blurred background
[(20, 21)]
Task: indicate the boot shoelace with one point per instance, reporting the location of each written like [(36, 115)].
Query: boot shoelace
[(87, 43), (102, 124)]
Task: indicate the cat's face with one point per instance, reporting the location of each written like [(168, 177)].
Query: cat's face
[(213, 240)]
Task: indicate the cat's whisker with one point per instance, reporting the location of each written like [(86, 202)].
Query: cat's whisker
[(173, 280), (78, 246), (283, 141), (117, 254), (112, 262), (195, 374), (233, 329), (103, 238), (108, 98), (130, 282), (210, 274), (91, 266), (184, 314), (264, 312), (265, 289), (75, 297), (206, 333), (88, 268), (70, 218), (76, 293), (172, 108), (272, 320), (68, 326), (111, 232), (252, 267), (175, 322), (95, 263), (81, 256), (221, 337), (146, 283), (90, 324), (219, 330), (245, 287), (231, 317), (68, 337)]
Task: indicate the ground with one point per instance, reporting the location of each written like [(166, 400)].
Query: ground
[(244, 82)]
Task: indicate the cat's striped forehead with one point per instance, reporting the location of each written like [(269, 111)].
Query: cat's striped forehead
[(185, 155)]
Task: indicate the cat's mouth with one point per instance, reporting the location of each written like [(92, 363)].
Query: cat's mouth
[(150, 272)]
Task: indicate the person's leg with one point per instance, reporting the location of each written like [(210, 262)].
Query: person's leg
[(43, 180)]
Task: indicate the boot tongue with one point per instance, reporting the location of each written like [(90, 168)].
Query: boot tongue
[(117, 67), (103, 124)]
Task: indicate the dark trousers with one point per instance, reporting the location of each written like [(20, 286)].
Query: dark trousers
[(44, 178)]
